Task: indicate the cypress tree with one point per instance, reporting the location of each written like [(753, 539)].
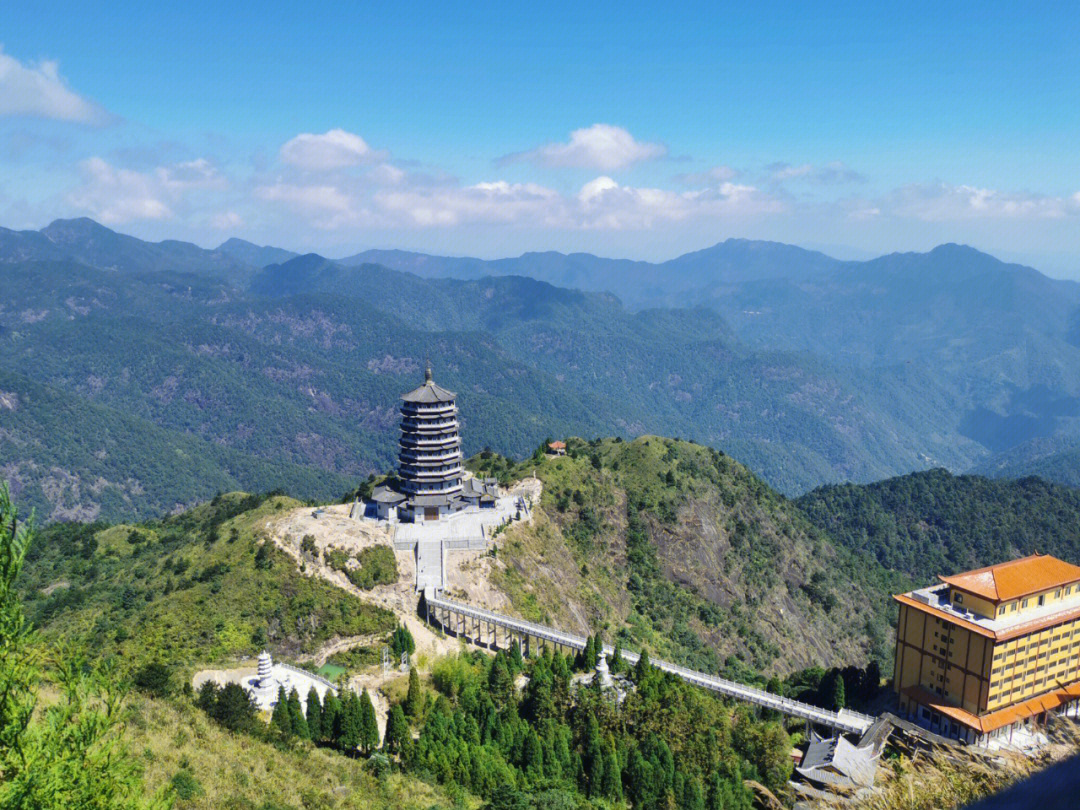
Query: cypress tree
[(397, 736), (616, 663), (838, 696), (350, 725), (369, 725), (331, 718), (281, 719), (641, 668), (517, 662), (612, 784), (500, 681), (297, 721), (314, 715), (414, 700), (598, 649), (694, 796)]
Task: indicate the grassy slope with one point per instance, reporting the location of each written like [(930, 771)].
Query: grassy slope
[(190, 591), (239, 772), (729, 575)]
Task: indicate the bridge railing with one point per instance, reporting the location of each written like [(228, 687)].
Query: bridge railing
[(844, 720)]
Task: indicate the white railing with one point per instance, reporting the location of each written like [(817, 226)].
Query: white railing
[(844, 720)]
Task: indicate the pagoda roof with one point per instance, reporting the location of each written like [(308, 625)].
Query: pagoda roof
[(1016, 578), (430, 392)]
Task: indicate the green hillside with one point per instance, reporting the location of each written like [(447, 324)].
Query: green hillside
[(676, 547), (933, 523), (196, 588), (73, 459)]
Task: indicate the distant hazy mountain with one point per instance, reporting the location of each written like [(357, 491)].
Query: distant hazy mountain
[(809, 369), (1055, 458), (254, 255), (87, 242)]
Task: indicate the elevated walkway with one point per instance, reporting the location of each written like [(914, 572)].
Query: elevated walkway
[(435, 605)]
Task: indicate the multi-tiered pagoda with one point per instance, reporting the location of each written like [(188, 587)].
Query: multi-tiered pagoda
[(430, 473)]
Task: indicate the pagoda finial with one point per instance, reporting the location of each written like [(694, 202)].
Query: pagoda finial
[(427, 371)]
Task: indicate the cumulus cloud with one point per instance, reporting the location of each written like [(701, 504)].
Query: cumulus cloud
[(116, 195), (943, 202), (324, 206), (39, 91), (601, 146), (335, 149)]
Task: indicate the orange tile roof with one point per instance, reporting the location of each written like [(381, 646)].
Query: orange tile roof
[(557, 445), (986, 723), (1016, 578)]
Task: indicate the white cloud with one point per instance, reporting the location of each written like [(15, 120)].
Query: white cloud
[(943, 202), (709, 177), (498, 202), (39, 91), (335, 149), (115, 196), (226, 221), (601, 146), (324, 206), (833, 173)]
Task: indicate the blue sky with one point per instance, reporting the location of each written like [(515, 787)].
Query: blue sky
[(489, 129)]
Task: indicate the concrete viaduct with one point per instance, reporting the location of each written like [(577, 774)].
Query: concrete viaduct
[(483, 627)]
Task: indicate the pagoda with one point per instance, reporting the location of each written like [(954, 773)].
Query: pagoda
[(431, 481), (429, 459)]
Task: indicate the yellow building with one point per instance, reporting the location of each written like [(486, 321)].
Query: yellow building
[(989, 651)]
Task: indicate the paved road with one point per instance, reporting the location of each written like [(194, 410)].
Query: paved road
[(429, 565)]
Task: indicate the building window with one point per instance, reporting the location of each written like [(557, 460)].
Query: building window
[(1012, 607), (959, 598), (1001, 611), (1042, 600), (1024, 603)]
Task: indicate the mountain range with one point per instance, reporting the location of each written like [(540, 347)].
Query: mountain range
[(809, 369)]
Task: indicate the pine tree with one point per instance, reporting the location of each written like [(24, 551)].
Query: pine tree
[(598, 649), (331, 718), (616, 663), (397, 738), (838, 697), (351, 724), (500, 681), (532, 757), (517, 662), (612, 784), (587, 655), (414, 699), (641, 668), (297, 721), (314, 715), (281, 719), (693, 795), (369, 725)]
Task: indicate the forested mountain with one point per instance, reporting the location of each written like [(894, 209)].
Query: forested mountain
[(1055, 458), (807, 369), (679, 548), (1000, 342), (932, 522)]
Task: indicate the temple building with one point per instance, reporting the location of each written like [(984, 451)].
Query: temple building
[(991, 652), (431, 481)]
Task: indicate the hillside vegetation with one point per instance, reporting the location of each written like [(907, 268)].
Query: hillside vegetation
[(301, 363), (200, 587), (933, 523), (679, 548)]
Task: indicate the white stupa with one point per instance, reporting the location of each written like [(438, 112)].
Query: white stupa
[(271, 677), (603, 672)]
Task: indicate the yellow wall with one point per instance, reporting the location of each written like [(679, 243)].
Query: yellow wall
[(1017, 607), (1035, 663)]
